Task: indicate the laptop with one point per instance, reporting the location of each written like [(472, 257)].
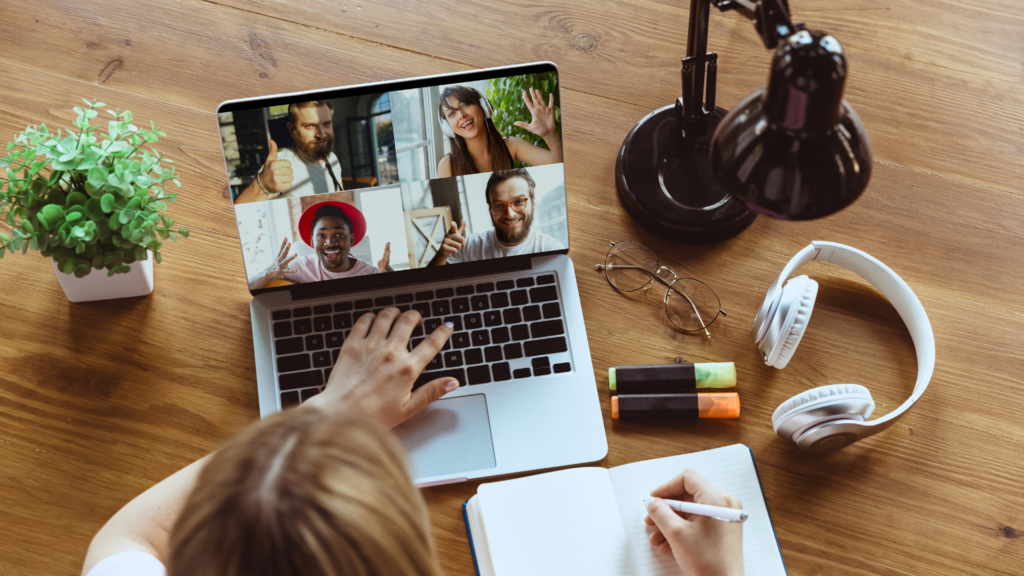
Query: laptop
[(344, 200)]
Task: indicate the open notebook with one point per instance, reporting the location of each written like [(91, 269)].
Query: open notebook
[(591, 520)]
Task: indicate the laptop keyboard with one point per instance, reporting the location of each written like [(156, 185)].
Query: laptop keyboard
[(505, 330)]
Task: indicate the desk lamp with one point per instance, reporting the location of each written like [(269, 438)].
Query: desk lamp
[(793, 150)]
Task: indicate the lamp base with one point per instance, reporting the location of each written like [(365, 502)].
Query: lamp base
[(666, 184)]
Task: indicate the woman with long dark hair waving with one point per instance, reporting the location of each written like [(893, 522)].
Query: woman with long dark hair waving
[(477, 146)]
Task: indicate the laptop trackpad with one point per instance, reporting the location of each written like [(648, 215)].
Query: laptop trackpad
[(450, 436)]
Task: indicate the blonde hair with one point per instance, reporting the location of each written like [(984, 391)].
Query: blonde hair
[(305, 493)]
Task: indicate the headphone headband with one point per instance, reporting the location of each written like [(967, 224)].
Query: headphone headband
[(891, 286)]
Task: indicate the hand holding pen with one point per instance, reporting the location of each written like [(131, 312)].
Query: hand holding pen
[(700, 544)]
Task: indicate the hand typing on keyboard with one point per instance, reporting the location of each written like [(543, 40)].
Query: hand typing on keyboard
[(375, 370)]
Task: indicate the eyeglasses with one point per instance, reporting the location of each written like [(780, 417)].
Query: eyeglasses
[(517, 205), (690, 304)]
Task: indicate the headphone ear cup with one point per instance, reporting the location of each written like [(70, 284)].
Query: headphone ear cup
[(485, 104), (820, 397), (446, 129), (801, 293)]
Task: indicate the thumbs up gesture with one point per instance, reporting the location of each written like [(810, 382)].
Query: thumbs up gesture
[(453, 240), (277, 174)]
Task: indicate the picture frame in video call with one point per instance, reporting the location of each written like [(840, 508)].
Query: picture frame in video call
[(397, 182)]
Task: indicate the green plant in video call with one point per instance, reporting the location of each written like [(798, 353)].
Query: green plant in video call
[(87, 200), (506, 96)]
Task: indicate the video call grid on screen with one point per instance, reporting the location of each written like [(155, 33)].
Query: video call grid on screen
[(386, 148)]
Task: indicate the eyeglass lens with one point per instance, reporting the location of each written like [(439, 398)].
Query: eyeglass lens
[(517, 205), (691, 305), (629, 266)]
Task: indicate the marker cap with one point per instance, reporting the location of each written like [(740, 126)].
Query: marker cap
[(715, 375), (719, 405)]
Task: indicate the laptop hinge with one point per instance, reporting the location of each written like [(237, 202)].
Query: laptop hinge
[(422, 276)]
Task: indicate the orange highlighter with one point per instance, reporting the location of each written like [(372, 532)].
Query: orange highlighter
[(692, 405)]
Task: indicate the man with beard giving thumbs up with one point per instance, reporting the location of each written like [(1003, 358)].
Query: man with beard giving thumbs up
[(308, 166), (510, 196)]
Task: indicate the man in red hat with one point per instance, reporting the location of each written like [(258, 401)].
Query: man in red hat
[(332, 229)]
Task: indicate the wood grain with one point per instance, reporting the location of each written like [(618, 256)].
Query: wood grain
[(99, 401)]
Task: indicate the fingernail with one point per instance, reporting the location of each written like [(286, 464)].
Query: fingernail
[(451, 385), (450, 325)]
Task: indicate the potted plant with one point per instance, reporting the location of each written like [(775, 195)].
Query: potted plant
[(89, 201)]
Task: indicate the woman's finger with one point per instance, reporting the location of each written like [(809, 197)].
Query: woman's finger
[(362, 327), (529, 103), (382, 325), (538, 100)]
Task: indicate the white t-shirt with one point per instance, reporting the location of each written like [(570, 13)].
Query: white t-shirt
[(485, 245), (309, 177), (132, 563)]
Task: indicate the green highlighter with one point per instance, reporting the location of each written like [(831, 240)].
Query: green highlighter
[(671, 378)]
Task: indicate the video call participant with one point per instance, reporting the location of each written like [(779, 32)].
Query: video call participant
[(479, 147), (308, 166), (510, 196), (332, 229)]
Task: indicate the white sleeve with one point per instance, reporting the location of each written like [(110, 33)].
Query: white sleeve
[(132, 563)]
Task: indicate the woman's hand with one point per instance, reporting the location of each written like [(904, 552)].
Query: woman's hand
[(278, 268), (542, 121), (375, 371), (700, 545), (383, 264)]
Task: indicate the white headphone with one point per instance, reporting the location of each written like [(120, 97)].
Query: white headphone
[(485, 105), (831, 417)]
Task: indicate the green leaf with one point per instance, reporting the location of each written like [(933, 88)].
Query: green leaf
[(51, 213), (97, 176), (26, 226), (72, 216), (75, 199), (82, 268), (156, 256), (140, 253), (107, 202), (183, 232), (69, 266), (122, 216), (94, 208)]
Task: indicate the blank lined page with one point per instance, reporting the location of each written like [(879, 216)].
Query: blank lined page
[(730, 468), (564, 522)]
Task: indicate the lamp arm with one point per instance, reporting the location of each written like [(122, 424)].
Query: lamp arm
[(699, 71)]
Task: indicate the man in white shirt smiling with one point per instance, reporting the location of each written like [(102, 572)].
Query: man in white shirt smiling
[(510, 196), (308, 166)]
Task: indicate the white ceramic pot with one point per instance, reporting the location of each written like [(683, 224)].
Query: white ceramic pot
[(98, 286)]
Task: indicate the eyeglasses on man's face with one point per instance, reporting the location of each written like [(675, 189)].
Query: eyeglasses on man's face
[(690, 304), (517, 205)]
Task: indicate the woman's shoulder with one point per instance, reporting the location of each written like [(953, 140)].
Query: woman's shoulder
[(444, 167)]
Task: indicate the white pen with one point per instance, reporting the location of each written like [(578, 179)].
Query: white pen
[(716, 512)]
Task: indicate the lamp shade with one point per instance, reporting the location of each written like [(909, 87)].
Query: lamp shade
[(795, 150)]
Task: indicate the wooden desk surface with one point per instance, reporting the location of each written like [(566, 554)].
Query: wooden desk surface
[(99, 401)]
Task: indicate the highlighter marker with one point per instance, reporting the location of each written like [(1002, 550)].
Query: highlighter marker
[(671, 378), (693, 405)]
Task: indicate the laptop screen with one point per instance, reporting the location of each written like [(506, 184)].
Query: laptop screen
[(391, 178)]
